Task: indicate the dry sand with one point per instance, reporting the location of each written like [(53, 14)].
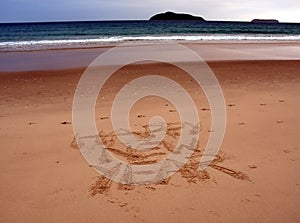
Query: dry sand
[(255, 177)]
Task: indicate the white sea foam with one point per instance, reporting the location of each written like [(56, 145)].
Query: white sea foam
[(104, 41)]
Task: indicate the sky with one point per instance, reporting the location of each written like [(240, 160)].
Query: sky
[(77, 10)]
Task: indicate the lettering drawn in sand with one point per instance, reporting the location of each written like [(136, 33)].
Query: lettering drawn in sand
[(189, 172)]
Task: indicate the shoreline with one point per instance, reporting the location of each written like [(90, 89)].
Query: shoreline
[(97, 45), (75, 58)]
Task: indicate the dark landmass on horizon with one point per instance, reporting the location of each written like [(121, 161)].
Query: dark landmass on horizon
[(184, 16), (169, 15), (269, 21), (176, 16)]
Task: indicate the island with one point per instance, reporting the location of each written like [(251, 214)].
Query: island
[(176, 16), (268, 21)]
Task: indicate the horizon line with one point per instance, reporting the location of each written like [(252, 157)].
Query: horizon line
[(131, 20)]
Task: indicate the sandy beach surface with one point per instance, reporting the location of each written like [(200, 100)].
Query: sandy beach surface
[(254, 178)]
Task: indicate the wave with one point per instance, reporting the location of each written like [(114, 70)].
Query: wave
[(105, 41)]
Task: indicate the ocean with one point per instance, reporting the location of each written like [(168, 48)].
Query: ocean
[(47, 35)]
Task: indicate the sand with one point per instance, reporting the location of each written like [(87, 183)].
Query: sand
[(254, 178)]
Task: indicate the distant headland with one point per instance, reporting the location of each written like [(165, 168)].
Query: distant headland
[(176, 16), (269, 21)]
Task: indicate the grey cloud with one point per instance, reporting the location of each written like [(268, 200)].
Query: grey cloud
[(41, 10)]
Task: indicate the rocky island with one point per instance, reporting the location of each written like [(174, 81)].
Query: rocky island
[(176, 16)]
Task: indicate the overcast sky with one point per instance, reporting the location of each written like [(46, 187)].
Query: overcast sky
[(58, 10)]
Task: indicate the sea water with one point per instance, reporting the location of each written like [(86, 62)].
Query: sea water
[(47, 35)]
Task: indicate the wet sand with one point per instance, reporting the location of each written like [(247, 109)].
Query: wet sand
[(255, 177)]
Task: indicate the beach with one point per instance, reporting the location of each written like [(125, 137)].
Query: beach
[(254, 178)]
